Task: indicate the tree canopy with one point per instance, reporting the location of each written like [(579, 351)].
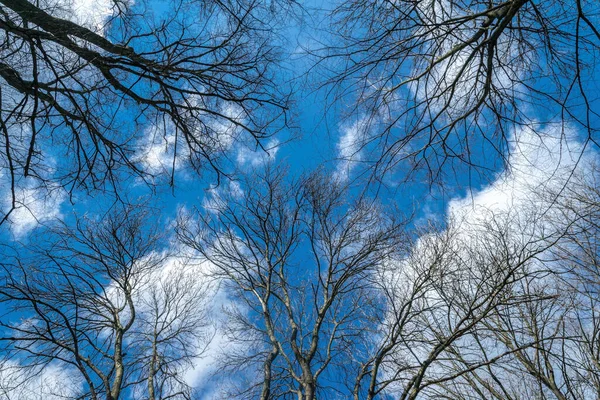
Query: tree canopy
[(221, 199)]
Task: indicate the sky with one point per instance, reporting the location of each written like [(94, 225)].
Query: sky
[(321, 135)]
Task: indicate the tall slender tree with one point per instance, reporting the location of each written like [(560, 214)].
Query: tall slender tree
[(301, 260)]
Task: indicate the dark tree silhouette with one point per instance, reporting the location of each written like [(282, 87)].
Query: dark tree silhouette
[(444, 82), (80, 103)]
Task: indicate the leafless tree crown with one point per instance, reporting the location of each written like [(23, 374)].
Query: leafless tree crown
[(79, 102), (101, 304), (441, 81)]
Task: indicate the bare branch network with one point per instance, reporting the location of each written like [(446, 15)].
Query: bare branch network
[(286, 285), (444, 82), (79, 103)]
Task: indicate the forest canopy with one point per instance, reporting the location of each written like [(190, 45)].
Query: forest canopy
[(290, 199)]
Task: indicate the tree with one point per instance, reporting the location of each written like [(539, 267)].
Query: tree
[(107, 306), (501, 303), (441, 298), (82, 103), (564, 322), (441, 81), (338, 300), (326, 293), (300, 260)]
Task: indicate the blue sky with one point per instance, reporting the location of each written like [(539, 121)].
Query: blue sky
[(321, 135)]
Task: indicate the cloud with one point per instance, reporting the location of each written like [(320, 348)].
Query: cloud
[(38, 197), (163, 149), (185, 281), (524, 202), (455, 82), (257, 157), (202, 372), (223, 130), (216, 198), (543, 164), (33, 206), (159, 153), (93, 13), (350, 146), (512, 222), (24, 383), (182, 294)]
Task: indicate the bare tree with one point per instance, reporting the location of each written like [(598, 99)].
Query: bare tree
[(440, 301), (80, 102), (500, 304), (564, 322), (103, 303), (300, 257), (331, 298), (444, 82), (334, 304)]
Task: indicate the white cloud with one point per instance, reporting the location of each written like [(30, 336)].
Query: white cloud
[(456, 78), (257, 157), (93, 13), (187, 281), (518, 215), (161, 151), (157, 153), (223, 131), (216, 131), (542, 162), (22, 383), (350, 146), (36, 200), (193, 287), (33, 206), (216, 198), (524, 201)]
